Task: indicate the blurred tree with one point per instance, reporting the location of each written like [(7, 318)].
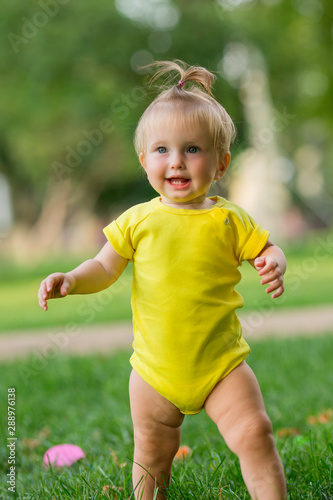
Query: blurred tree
[(295, 39), (72, 92)]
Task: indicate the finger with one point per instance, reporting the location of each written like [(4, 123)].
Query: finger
[(50, 283), (274, 285), (64, 289), (273, 275), (42, 291), (42, 302), (270, 266), (259, 262), (279, 292), (43, 305), (45, 292)]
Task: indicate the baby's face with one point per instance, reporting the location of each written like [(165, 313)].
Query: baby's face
[(180, 162)]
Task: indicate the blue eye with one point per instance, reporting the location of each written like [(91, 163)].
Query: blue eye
[(193, 149), (161, 150)]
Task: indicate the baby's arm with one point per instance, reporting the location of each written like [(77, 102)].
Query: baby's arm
[(271, 265), (91, 276)]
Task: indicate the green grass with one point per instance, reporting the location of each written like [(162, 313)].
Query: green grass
[(84, 400), (21, 311), (310, 267)]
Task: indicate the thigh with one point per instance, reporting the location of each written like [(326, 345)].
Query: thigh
[(152, 414), (236, 404)]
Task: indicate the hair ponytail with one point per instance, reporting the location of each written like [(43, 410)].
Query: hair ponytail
[(185, 74)]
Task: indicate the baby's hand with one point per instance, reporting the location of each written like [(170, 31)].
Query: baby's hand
[(55, 286), (268, 268)]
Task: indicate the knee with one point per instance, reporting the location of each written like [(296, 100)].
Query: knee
[(253, 433), (154, 449)]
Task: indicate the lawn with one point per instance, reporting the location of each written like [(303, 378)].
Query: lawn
[(310, 267), (84, 400)]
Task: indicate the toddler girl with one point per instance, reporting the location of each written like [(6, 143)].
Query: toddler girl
[(186, 248)]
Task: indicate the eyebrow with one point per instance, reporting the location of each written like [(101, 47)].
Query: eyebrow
[(190, 141)]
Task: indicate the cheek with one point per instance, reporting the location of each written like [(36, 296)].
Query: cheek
[(157, 168), (155, 174), (204, 173)]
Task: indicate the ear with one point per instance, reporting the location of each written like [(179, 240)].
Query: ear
[(222, 166), (142, 160)]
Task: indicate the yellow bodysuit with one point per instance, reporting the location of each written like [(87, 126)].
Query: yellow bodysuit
[(187, 335)]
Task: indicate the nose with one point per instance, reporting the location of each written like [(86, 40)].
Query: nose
[(176, 161)]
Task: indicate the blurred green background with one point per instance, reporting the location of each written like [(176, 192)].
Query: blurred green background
[(72, 92)]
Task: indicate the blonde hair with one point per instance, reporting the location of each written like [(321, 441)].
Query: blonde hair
[(196, 103)]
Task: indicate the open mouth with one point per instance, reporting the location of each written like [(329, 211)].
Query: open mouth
[(178, 182)]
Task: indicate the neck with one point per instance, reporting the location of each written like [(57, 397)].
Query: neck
[(206, 203)]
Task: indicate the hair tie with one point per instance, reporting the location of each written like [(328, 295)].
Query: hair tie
[(180, 83)]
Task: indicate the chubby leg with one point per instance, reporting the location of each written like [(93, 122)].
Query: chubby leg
[(156, 424), (236, 406)]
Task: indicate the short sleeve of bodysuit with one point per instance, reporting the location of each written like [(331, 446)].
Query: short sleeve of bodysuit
[(121, 232), (249, 237)]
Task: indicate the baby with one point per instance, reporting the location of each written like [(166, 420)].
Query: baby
[(189, 353)]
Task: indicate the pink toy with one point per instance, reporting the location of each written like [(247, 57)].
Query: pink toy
[(63, 454)]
